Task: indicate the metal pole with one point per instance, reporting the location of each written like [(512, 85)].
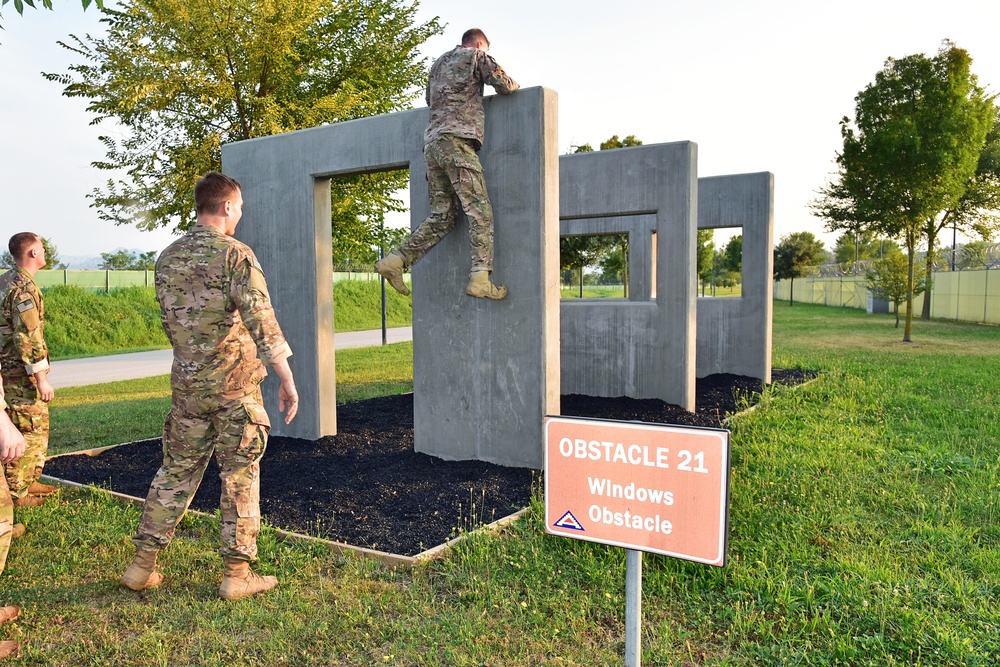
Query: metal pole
[(381, 255), (633, 607)]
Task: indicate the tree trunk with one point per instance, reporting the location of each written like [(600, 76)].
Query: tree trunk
[(925, 312), (581, 281), (911, 244), (791, 292)]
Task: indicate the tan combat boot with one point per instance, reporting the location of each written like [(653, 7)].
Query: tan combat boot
[(142, 574), (8, 649), (390, 267), (29, 501), (9, 613), (240, 581), (481, 287), (16, 531), (39, 489)]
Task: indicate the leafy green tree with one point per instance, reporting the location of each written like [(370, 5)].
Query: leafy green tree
[(577, 252), (853, 247), (795, 256), (47, 4), (912, 152), (124, 260), (185, 78), (615, 142), (732, 255), (887, 280), (705, 257)]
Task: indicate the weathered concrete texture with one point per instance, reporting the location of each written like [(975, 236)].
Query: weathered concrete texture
[(643, 347), (734, 335), (485, 372)]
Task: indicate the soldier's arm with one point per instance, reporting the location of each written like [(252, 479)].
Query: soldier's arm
[(249, 293), (29, 339), (493, 75)]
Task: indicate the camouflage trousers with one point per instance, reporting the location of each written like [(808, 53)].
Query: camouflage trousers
[(6, 521), (454, 177), (236, 431), (30, 415)]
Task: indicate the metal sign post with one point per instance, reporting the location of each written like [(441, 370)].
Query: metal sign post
[(633, 608)]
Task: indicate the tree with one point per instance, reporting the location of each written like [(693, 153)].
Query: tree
[(125, 260), (887, 280), (732, 255), (794, 257), (185, 78), (705, 257), (47, 4), (51, 257), (918, 134), (853, 247), (615, 142)]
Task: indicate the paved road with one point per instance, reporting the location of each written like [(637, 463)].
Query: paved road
[(93, 370)]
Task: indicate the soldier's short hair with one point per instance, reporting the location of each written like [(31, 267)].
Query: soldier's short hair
[(20, 242), (472, 35), (212, 190)]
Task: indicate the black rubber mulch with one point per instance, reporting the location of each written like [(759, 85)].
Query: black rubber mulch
[(366, 486)]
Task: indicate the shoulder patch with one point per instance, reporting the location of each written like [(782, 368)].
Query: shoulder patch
[(27, 304), (256, 264)]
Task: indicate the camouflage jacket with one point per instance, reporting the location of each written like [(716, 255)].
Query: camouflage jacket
[(455, 93), (22, 327), (217, 314)]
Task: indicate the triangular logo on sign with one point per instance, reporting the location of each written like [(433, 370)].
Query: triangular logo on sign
[(567, 520)]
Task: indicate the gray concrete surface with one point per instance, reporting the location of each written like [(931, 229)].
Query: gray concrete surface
[(485, 373), (734, 335), (95, 370), (643, 347)]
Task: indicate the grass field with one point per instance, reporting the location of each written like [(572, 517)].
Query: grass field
[(863, 531)]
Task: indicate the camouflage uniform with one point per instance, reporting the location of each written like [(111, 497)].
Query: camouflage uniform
[(6, 517), (454, 134), (22, 354), (217, 313)]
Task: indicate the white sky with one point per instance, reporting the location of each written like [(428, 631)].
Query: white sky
[(758, 85)]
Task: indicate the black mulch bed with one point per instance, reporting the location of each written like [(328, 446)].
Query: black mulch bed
[(366, 486)]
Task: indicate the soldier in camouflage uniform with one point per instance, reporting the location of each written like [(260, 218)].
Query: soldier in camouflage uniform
[(454, 175), (25, 361), (216, 311), (11, 448)]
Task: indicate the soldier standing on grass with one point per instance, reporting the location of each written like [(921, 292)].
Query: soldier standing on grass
[(11, 448), (25, 361), (454, 175), (217, 313)]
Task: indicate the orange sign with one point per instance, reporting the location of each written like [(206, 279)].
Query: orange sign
[(648, 487)]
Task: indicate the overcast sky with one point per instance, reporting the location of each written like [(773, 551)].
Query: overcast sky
[(758, 85)]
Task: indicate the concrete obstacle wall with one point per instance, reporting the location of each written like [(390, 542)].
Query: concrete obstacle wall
[(643, 347), (734, 335), (485, 373), (639, 347)]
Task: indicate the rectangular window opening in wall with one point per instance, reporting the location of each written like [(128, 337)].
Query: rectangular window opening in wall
[(720, 262), (594, 266), (370, 215)]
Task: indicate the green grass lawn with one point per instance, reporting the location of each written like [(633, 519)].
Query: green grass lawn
[(863, 531)]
